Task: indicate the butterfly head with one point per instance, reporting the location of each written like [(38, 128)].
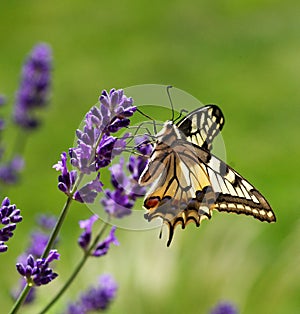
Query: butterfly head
[(169, 133)]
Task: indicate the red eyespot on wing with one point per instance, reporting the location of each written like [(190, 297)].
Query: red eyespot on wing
[(152, 202)]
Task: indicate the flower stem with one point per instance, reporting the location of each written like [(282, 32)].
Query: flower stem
[(57, 228), (61, 219), (76, 270), (21, 299)]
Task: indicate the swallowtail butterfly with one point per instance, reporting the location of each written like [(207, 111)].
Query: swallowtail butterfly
[(188, 182)]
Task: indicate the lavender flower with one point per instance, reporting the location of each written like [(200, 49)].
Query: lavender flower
[(67, 179), (46, 222), (103, 247), (39, 240), (116, 203), (224, 308), (34, 88), (89, 191), (116, 105), (119, 202), (85, 238), (95, 146), (9, 172), (37, 272), (9, 217), (96, 298)]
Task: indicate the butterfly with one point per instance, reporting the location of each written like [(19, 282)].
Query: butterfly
[(188, 182)]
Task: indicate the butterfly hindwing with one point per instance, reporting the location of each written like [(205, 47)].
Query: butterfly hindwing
[(234, 193)]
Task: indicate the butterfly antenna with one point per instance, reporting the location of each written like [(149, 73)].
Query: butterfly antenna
[(148, 117), (144, 114), (170, 99)]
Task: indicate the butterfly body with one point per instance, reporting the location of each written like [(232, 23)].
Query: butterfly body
[(188, 181)]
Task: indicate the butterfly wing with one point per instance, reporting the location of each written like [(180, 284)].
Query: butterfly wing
[(234, 194), (202, 125)]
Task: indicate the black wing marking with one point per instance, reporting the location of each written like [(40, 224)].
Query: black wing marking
[(202, 125)]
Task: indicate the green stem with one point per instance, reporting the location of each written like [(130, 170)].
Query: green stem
[(76, 270), (61, 219), (21, 299), (57, 228)]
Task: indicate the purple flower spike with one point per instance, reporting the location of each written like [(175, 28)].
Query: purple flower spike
[(120, 108), (95, 146), (9, 218), (85, 238), (117, 103), (37, 271), (95, 299), (75, 308), (38, 242), (103, 247), (9, 172), (67, 179), (99, 298), (89, 192), (34, 88), (224, 308), (53, 255), (116, 203), (46, 222), (119, 202), (143, 145), (104, 151)]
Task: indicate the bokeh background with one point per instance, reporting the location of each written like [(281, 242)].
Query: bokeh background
[(241, 55)]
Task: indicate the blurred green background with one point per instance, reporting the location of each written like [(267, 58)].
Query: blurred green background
[(243, 56)]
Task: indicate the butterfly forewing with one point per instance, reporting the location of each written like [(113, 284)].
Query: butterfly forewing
[(202, 125), (188, 182)]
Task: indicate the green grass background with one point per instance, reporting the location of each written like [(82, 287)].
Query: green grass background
[(241, 55)]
